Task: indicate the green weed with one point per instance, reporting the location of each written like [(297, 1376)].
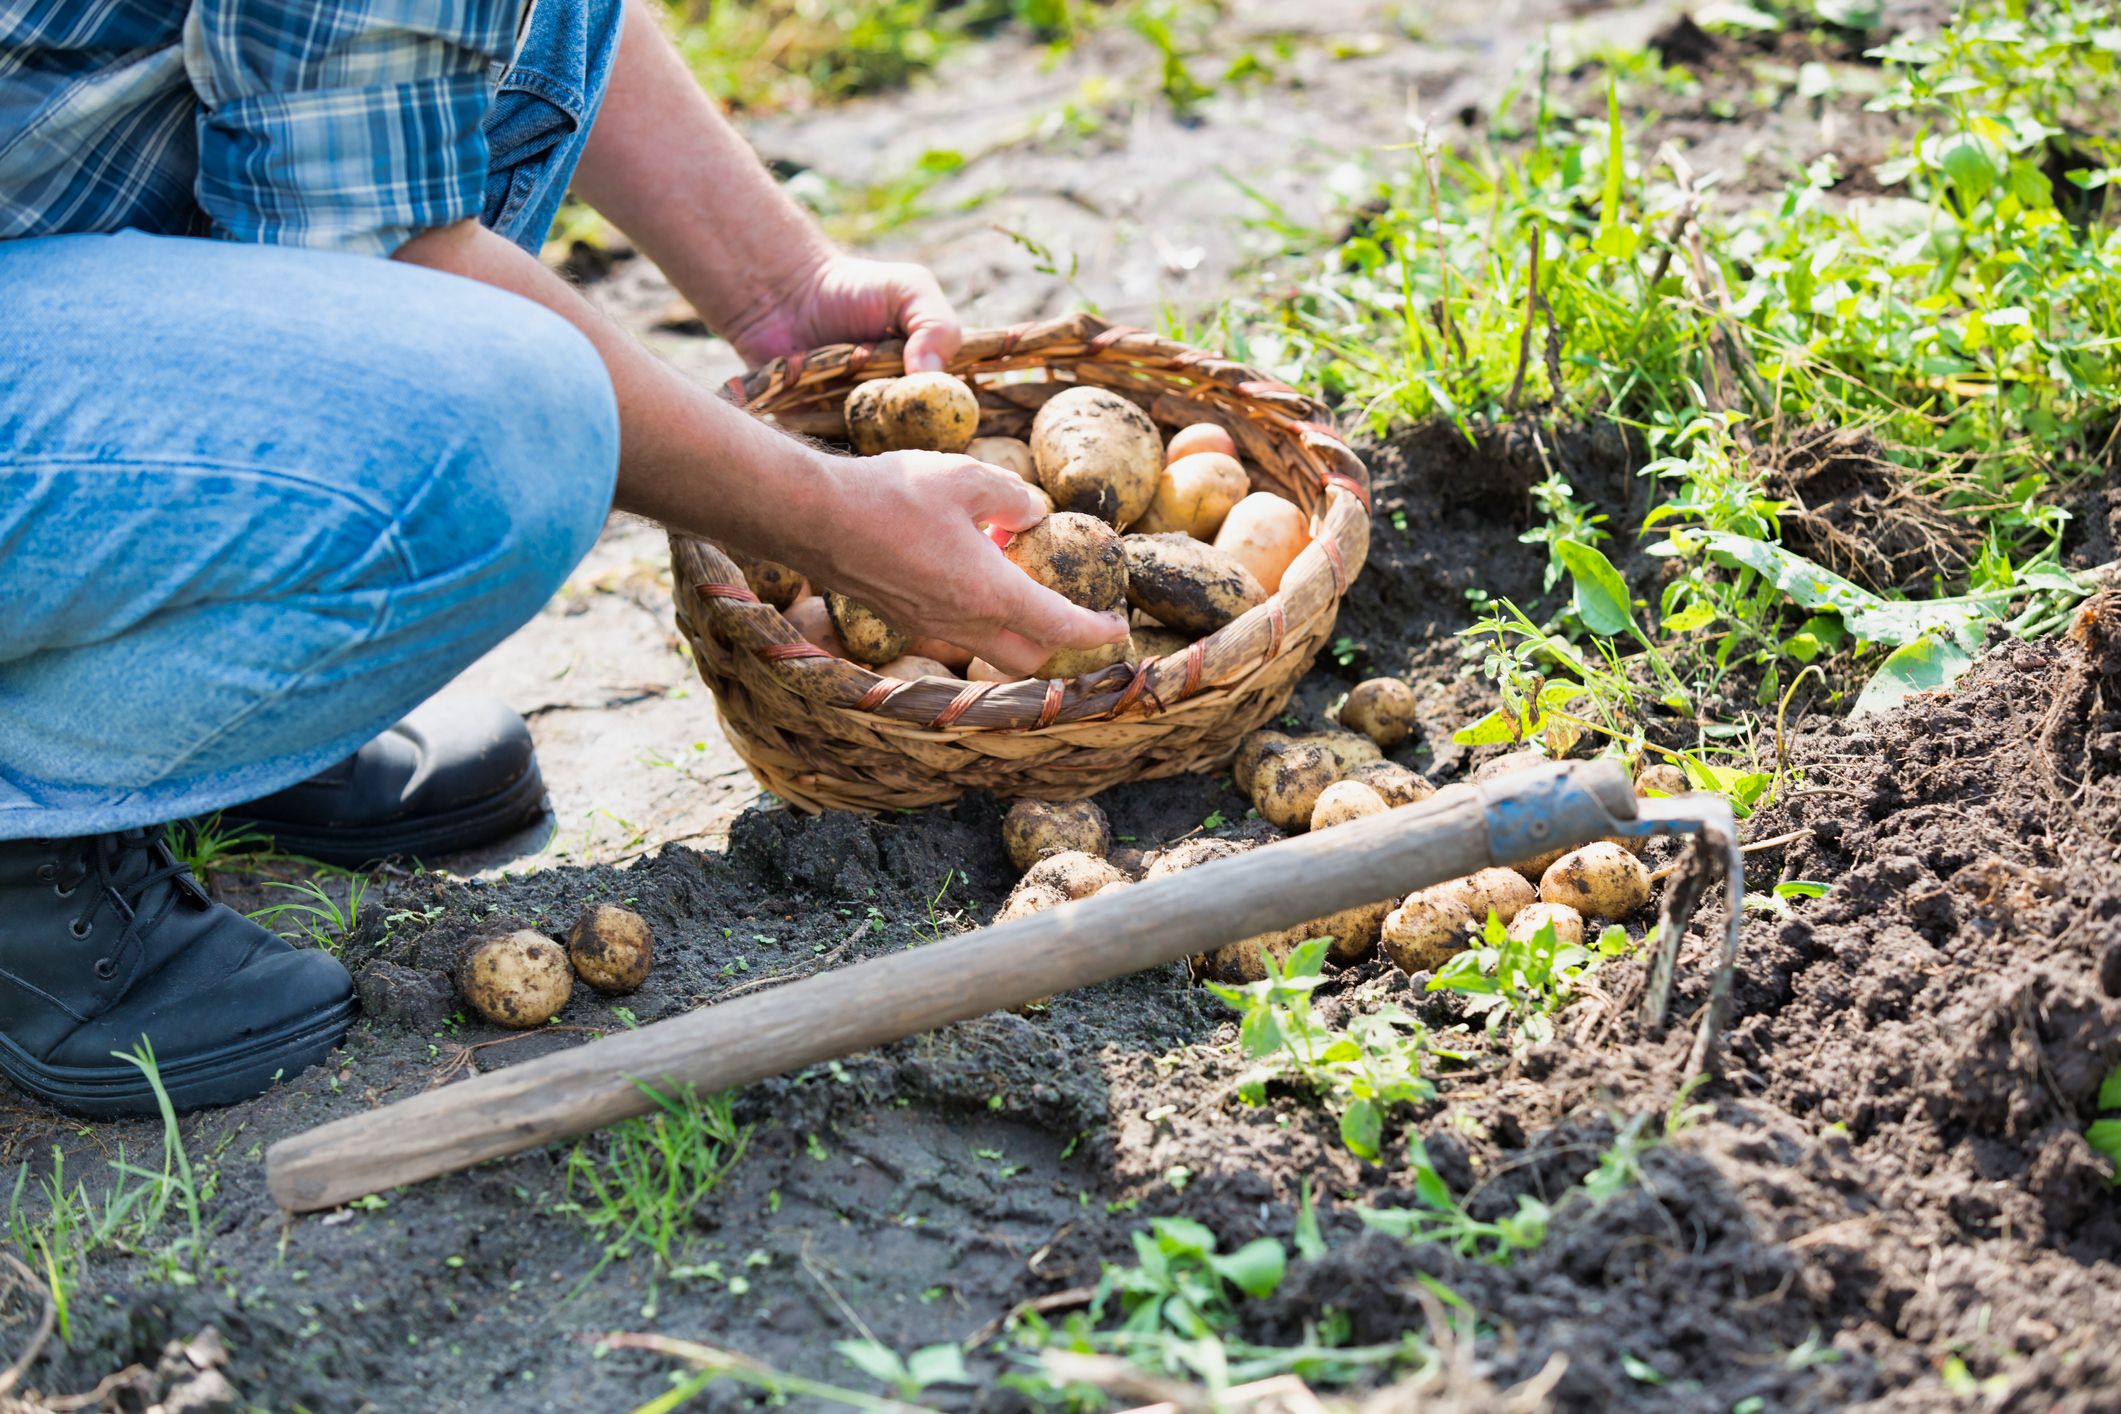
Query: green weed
[(1523, 982), (2105, 1134), (320, 917)]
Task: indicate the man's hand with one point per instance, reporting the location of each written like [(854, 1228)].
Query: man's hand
[(916, 555), (846, 299)]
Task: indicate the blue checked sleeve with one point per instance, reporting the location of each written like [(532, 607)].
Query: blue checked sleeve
[(342, 124)]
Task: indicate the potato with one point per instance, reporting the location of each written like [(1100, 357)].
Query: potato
[(1194, 495), (1601, 880), (980, 670), (1422, 933), (1199, 437), (912, 667), (517, 979), (809, 617), (1074, 873), (1264, 533), (1008, 453), (948, 654), (1354, 931), (1344, 801), (868, 638), (1038, 829), (1241, 961), (1250, 752), (1568, 924), (775, 584), (1287, 784), (1075, 555), (1080, 662), (1398, 785), (1508, 764), (1382, 709), (1146, 643), (1662, 779), (1097, 453), (1023, 901), (1186, 854), (1129, 860), (1186, 585), (611, 948), (1348, 749), (1501, 891), (935, 412)]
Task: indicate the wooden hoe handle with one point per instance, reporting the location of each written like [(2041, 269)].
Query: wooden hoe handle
[(853, 1009)]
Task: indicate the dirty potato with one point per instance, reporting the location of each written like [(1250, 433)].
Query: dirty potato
[(1077, 556), (865, 417), (1027, 899), (1265, 534), (1344, 801), (1146, 643), (1038, 829), (1348, 749), (1194, 495), (1566, 921), (1601, 880), (1186, 854), (867, 637), (935, 412), (1662, 779), (1097, 453), (1186, 585), (1398, 785), (1382, 709), (1502, 892), (775, 584), (1423, 932), (1074, 872), (1008, 453), (1508, 764), (1255, 748), (518, 979), (611, 948), (1287, 784)]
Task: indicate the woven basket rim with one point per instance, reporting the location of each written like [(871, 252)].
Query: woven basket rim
[(805, 383)]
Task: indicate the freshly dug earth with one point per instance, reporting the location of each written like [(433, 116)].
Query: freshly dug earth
[(1892, 1195)]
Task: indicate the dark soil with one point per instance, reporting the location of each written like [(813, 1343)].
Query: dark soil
[(1891, 1198)]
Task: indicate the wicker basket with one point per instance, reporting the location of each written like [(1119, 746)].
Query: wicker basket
[(825, 734)]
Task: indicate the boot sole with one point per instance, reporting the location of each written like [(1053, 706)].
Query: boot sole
[(452, 832), (225, 1076)]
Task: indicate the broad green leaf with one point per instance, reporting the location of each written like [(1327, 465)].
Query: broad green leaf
[(1724, 15), (1925, 665), (1428, 1183), (1800, 888), (1602, 599), (938, 1365), (1811, 586), (1182, 1237), (1310, 1241), (877, 1361), (1851, 14), (1362, 1129), (1255, 1268), (1970, 169), (2110, 1090), (1699, 614), (1259, 1034), (2105, 1136)]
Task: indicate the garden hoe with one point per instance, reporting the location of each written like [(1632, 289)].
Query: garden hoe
[(853, 1009)]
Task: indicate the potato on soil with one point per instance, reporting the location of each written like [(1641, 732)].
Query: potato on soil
[(809, 617), (1075, 555), (611, 948), (1601, 880), (868, 638), (1025, 900), (1194, 495), (1501, 891), (1398, 785), (912, 667), (935, 412), (1186, 585), (1348, 749), (1662, 779), (1097, 453), (1287, 784), (1074, 872), (1008, 453), (1427, 929), (1255, 748), (1187, 854), (1508, 764), (1344, 801), (1199, 437), (1568, 924), (1265, 534), (1038, 829), (517, 979), (1354, 931), (1382, 709)]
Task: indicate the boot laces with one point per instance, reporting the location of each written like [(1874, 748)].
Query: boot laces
[(134, 869)]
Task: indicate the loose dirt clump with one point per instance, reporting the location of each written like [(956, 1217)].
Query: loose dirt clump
[(1849, 508)]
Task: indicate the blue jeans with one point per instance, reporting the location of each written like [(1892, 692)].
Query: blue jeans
[(257, 503)]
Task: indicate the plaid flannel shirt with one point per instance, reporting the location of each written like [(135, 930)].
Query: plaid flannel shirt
[(337, 124)]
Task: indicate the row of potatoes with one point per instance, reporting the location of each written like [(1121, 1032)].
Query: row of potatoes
[(1171, 530), (1317, 781)]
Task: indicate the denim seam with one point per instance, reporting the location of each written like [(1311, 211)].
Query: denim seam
[(568, 98)]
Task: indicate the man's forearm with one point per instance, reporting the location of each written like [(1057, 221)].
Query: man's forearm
[(665, 167), (683, 449)]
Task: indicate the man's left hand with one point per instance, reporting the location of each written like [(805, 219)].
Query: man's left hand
[(851, 300)]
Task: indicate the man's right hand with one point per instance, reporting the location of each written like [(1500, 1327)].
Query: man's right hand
[(901, 533)]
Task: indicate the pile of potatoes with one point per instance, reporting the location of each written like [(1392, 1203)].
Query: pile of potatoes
[(1169, 531), (522, 979)]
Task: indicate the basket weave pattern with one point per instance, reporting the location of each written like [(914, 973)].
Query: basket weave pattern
[(822, 733)]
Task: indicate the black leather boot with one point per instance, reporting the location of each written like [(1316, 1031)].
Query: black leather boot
[(108, 939), (458, 773)]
